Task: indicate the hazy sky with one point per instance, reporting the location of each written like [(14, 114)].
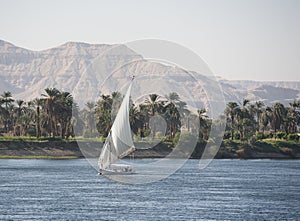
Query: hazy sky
[(239, 39)]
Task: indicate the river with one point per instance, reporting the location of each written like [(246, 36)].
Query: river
[(225, 190)]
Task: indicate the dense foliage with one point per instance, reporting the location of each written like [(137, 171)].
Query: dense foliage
[(246, 120), (55, 114)]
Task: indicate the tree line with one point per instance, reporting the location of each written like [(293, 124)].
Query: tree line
[(56, 114), (246, 119)]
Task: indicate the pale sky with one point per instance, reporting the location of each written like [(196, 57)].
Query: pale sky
[(238, 39)]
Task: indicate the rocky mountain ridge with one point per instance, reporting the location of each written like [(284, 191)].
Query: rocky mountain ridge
[(27, 73)]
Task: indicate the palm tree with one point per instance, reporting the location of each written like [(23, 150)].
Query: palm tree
[(173, 97), (77, 121), (2, 112), (20, 109), (6, 99), (278, 115), (184, 113), (38, 103), (90, 116), (117, 99), (63, 113), (245, 102), (231, 112), (49, 102), (173, 119), (293, 117), (136, 120), (103, 114), (144, 118), (204, 124), (155, 104), (246, 122), (174, 110), (258, 111), (265, 118)]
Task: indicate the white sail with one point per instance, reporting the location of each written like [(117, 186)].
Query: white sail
[(119, 142), (105, 156)]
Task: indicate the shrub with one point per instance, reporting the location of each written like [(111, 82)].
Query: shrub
[(259, 136), (147, 132), (237, 136), (184, 137), (280, 135), (89, 134), (158, 134), (31, 132), (227, 135), (293, 137), (176, 138), (252, 140), (102, 139), (269, 135), (167, 139)]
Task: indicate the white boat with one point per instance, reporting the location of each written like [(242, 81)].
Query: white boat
[(118, 143)]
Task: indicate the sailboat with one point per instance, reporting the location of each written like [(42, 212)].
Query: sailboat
[(118, 143)]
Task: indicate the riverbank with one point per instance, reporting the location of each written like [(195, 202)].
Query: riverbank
[(266, 149)]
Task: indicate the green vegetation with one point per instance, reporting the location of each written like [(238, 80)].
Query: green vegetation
[(39, 157), (257, 121), (44, 139), (54, 115), (260, 149), (269, 146)]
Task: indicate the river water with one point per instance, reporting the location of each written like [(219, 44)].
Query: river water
[(225, 190)]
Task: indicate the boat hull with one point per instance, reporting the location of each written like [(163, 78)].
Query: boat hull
[(117, 169), (114, 172)]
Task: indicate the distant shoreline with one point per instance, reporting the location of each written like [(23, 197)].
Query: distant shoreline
[(70, 150)]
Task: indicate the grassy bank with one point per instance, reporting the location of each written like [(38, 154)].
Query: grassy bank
[(267, 148), (45, 139), (44, 149), (39, 157), (32, 148)]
